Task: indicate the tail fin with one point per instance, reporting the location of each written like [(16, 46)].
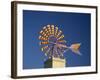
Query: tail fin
[(75, 48)]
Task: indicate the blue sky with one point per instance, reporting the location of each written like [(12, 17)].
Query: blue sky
[(76, 29)]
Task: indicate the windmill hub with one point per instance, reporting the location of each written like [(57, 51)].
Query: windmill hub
[(52, 39)]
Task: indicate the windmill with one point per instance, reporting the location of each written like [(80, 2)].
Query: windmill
[(53, 44)]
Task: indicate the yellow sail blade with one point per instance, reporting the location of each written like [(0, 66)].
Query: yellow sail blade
[(49, 29), (43, 48), (43, 38), (44, 42), (41, 32), (59, 33), (52, 28), (60, 37), (56, 31)]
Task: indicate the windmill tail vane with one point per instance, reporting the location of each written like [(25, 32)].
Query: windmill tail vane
[(75, 48), (53, 44)]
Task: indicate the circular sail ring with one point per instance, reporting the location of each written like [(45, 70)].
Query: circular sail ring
[(52, 41)]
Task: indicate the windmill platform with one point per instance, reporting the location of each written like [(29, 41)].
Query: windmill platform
[(55, 63)]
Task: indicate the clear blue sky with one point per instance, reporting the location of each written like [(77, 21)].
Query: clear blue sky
[(76, 29)]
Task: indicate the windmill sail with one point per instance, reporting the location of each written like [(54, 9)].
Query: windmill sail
[(52, 41), (53, 44)]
